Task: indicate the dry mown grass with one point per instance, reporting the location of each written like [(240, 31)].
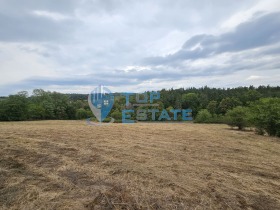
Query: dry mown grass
[(70, 165)]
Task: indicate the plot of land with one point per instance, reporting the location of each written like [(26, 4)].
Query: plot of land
[(71, 165)]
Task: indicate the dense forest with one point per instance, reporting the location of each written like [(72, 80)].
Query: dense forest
[(241, 106)]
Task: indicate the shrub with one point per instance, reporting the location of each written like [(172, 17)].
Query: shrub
[(117, 115), (203, 116), (266, 116), (238, 116), (81, 113)]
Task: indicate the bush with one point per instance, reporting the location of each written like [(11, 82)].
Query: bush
[(266, 116), (203, 116), (81, 114), (107, 120), (238, 116), (117, 115)]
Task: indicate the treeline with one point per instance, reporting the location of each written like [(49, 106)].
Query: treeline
[(42, 105), (241, 106), (216, 100)]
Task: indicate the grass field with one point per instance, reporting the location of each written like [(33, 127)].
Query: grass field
[(71, 165)]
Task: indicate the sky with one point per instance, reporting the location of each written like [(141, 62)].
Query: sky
[(73, 46)]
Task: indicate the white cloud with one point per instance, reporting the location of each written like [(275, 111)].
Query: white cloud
[(247, 13), (51, 15), (73, 43), (254, 77), (22, 61)]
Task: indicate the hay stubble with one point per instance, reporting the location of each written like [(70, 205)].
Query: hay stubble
[(70, 165)]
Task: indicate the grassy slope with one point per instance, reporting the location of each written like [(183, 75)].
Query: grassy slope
[(70, 165)]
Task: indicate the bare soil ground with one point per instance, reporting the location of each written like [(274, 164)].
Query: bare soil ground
[(71, 165)]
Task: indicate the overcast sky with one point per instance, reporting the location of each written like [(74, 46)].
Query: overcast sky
[(72, 46)]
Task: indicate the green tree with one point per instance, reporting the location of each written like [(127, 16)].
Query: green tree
[(252, 95), (81, 114), (191, 101), (212, 107), (238, 116), (203, 101), (71, 112), (117, 115), (3, 110), (49, 109), (203, 116), (16, 107), (227, 104), (266, 116), (60, 102), (36, 112)]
